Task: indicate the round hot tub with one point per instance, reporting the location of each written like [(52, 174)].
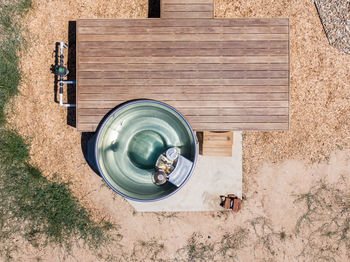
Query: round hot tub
[(129, 142)]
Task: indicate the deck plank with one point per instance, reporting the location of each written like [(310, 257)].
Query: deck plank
[(262, 44), (214, 126), (189, 14), (187, 1), (213, 119), (187, 103), (186, 59), (114, 30), (192, 7), (206, 111), (199, 89), (181, 97), (182, 37), (240, 74), (155, 52), (181, 82), (156, 22), (161, 67)]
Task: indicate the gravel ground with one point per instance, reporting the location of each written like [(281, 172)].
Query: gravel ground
[(335, 17)]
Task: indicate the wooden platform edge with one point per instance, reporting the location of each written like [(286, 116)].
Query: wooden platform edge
[(77, 77), (288, 75)]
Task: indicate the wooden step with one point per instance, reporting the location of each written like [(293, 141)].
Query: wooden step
[(217, 143), (187, 9)]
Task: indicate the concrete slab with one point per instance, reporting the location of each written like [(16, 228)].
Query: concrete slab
[(212, 177)]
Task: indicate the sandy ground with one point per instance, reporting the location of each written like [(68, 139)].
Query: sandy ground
[(277, 166)]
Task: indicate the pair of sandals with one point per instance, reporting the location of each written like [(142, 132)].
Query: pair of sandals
[(231, 201)]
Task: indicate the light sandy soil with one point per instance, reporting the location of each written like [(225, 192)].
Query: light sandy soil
[(278, 166)]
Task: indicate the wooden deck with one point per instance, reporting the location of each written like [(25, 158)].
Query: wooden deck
[(222, 74)]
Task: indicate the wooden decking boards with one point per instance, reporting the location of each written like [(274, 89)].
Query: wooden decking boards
[(222, 74)]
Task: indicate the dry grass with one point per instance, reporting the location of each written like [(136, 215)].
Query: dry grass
[(326, 223), (200, 248), (147, 250), (31, 206)]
